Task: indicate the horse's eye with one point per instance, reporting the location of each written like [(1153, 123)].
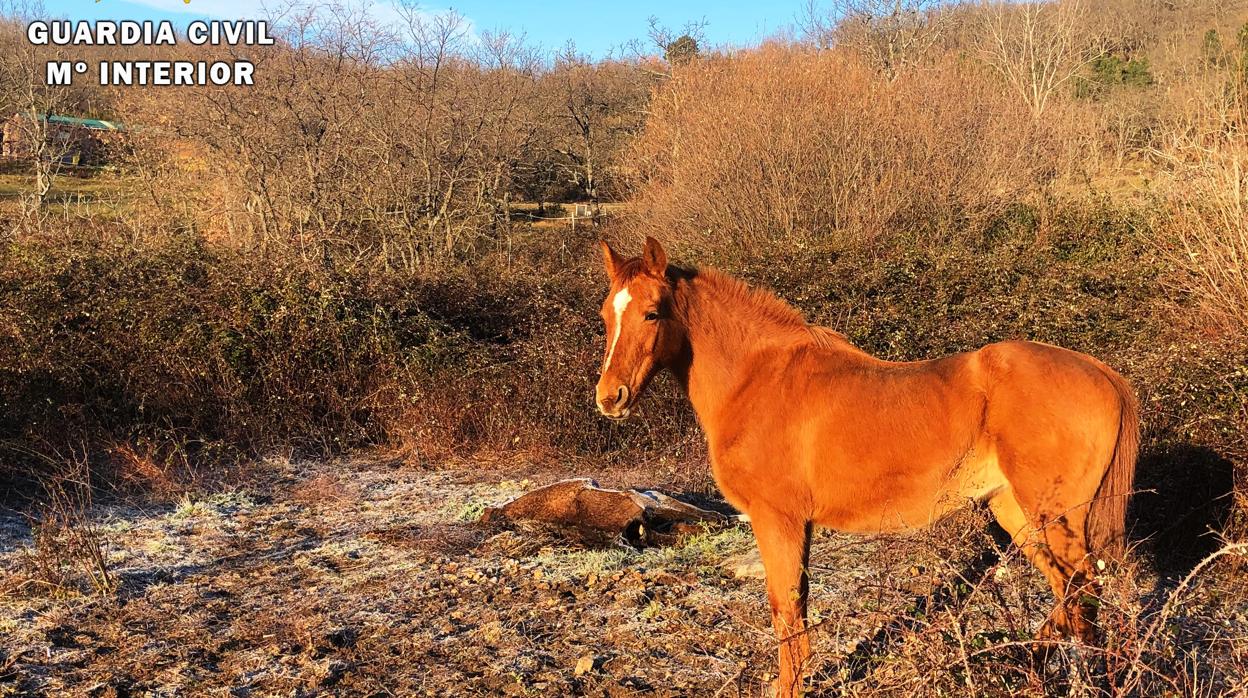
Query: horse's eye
[(652, 316)]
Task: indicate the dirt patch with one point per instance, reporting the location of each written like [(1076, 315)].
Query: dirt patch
[(374, 580)]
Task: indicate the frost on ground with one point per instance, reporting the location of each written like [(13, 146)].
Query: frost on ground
[(377, 579)]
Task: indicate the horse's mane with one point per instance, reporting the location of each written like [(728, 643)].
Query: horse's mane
[(756, 305), (752, 303)]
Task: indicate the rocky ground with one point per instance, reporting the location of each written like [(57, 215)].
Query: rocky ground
[(375, 578)]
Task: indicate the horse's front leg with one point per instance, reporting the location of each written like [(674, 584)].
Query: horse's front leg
[(784, 543)]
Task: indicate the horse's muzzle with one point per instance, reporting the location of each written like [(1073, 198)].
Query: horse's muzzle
[(615, 406)]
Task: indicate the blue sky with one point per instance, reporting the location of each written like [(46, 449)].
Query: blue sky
[(596, 27)]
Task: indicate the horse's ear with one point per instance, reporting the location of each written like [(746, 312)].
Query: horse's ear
[(654, 258), (611, 260)]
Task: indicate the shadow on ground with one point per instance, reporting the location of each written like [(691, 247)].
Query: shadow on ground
[(1184, 499)]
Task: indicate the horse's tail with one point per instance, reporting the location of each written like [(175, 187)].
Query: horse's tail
[(1106, 527)]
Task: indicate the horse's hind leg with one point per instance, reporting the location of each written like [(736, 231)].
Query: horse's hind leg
[(784, 544), (1059, 550)]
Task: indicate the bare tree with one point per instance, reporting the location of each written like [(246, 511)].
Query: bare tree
[(665, 50), (1037, 47), (600, 106), (25, 96), (470, 111), (678, 47), (507, 91), (891, 34)]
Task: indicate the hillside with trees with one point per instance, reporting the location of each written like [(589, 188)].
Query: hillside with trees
[(367, 257)]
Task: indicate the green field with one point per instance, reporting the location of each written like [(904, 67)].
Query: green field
[(103, 194)]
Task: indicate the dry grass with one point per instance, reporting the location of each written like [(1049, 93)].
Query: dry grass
[(66, 556), (1206, 235), (382, 585)]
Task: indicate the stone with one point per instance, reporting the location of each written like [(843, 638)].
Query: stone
[(584, 665), (747, 565)]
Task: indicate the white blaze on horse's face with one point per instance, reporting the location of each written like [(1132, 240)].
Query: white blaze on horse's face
[(619, 304), (613, 401)]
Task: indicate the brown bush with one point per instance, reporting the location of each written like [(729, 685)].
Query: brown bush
[(733, 158), (67, 554), (175, 358), (1206, 239)]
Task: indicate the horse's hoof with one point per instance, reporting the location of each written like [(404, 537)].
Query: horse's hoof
[(1046, 641), (1049, 632)]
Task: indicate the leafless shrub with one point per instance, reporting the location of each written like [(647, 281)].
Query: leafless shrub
[(891, 35), (67, 551), (733, 159), (1207, 238), (160, 470), (1037, 47), (1205, 235)]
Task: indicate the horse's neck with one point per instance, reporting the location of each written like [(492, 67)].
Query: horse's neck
[(725, 339)]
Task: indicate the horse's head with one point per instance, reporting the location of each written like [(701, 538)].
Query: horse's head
[(642, 335)]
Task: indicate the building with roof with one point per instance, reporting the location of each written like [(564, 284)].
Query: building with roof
[(70, 140)]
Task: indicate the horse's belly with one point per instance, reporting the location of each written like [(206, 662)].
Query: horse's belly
[(907, 497)]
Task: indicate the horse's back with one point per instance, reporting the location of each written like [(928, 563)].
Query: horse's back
[(874, 445)]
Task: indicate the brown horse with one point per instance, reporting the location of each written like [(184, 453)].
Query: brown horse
[(805, 429)]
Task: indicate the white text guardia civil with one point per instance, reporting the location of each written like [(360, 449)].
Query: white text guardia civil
[(147, 33)]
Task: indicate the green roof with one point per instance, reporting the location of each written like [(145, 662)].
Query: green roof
[(86, 123), (97, 124)]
